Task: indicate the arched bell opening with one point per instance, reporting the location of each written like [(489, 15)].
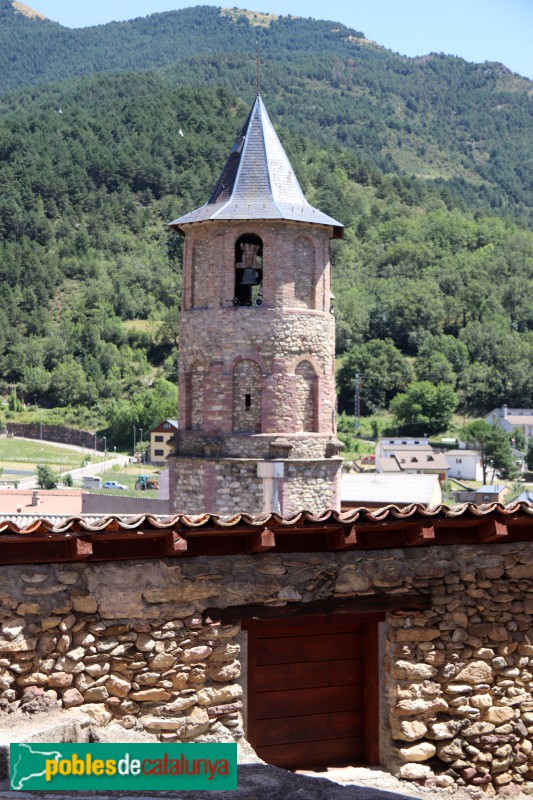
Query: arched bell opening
[(248, 271)]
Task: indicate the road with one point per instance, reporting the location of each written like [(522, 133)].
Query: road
[(78, 474)]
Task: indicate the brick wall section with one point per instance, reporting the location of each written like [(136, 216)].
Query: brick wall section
[(126, 641), (279, 332), (304, 273)]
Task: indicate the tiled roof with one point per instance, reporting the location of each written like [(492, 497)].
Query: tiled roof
[(110, 538), (48, 501), (258, 181)]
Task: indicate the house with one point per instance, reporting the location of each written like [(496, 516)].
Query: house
[(160, 441), (464, 464), (511, 419), (388, 444), (374, 490), (490, 494), (256, 399), (415, 461)]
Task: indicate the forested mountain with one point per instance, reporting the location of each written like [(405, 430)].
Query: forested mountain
[(427, 162)]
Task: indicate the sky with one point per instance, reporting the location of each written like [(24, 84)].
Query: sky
[(476, 30)]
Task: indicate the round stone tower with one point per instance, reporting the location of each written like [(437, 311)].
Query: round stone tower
[(257, 426)]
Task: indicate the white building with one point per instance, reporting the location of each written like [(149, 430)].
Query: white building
[(464, 464), (387, 445), (374, 490), (511, 419)]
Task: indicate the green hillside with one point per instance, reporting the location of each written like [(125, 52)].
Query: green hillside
[(427, 162)]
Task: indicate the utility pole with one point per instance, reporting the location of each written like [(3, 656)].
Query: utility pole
[(357, 400), (134, 442)]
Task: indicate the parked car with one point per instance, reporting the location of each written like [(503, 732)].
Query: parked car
[(114, 485)]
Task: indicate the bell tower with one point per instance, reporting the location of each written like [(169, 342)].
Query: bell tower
[(257, 428)]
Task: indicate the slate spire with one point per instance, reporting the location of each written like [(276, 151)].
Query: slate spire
[(258, 181)]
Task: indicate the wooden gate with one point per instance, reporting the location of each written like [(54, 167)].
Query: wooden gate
[(313, 690)]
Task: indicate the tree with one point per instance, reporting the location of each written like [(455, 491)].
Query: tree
[(529, 455), (494, 447), (424, 408), (46, 478), (384, 369)]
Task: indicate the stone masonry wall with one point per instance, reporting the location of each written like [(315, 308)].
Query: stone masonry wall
[(55, 433), (232, 486), (126, 641)]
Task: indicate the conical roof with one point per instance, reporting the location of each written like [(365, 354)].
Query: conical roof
[(258, 181)]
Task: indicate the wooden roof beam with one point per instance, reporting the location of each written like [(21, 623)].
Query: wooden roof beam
[(420, 534), (333, 605), (261, 541), (174, 544), (342, 539), (492, 531)]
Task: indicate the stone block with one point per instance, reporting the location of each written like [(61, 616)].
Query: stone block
[(84, 603), (150, 695), (406, 670), (212, 696), (414, 772), (499, 714), (475, 673), (420, 751), (71, 697)]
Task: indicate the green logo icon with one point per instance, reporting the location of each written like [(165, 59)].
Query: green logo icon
[(36, 766)]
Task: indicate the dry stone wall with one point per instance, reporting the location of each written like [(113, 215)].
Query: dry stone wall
[(127, 641)]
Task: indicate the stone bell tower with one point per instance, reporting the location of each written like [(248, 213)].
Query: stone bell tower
[(257, 426)]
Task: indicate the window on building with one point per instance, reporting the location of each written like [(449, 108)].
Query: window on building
[(248, 271), (158, 438), (159, 452)]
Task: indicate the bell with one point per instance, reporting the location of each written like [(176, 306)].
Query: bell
[(250, 277)]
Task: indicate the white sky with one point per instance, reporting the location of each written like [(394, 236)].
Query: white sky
[(477, 30)]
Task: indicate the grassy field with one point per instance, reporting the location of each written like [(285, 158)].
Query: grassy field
[(18, 454)]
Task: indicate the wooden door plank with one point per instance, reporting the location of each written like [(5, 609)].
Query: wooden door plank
[(371, 727), (313, 673), (301, 649), (308, 701), (310, 727), (306, 755)]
